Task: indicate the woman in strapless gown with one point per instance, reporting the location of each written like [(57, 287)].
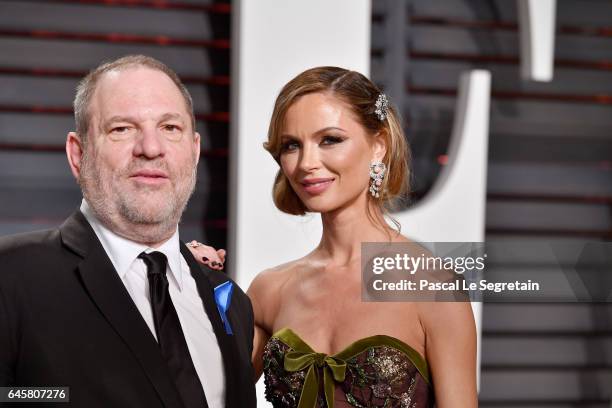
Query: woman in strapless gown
[(342, 153)]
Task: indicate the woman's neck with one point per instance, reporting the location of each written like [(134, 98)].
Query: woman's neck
[(346, 228)]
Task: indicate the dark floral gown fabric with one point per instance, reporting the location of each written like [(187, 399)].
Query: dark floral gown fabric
[(378, 371)]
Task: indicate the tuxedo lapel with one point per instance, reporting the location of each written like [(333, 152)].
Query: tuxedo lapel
[(227, 343), (114, 302)]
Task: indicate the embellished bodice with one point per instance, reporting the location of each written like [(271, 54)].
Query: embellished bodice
[(377, 371)]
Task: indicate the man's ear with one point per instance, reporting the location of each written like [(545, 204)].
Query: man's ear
[(379, 146), (74, 152), (196, 141)]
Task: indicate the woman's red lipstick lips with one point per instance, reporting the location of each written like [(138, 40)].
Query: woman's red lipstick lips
[(316, 185)]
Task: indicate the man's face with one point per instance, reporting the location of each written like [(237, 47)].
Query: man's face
[(139, 163)]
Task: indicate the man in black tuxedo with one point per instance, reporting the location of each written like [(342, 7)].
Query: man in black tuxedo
[(112, 304)]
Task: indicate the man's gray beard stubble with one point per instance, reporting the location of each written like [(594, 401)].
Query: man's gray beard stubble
[(153, 227)]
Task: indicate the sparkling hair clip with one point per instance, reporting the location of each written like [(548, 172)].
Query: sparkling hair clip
[(382, 106)]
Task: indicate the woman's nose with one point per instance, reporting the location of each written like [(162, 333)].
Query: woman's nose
[(309, 158)]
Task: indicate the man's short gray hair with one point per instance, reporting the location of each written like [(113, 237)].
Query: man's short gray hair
[(87, 87)]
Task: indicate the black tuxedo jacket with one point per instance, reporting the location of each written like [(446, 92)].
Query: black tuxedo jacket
[(66, 319)]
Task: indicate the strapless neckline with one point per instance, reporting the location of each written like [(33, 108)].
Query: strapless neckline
[(293, 340)]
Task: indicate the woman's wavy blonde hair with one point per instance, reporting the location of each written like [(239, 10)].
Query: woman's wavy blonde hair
[(360, 94)]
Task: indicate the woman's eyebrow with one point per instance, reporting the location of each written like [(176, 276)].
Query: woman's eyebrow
[(325, 129)]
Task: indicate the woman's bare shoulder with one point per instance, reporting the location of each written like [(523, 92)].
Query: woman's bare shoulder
[(446, 318), (276, 275), (266, 291), (399, 242), (398, 238), (272, 280)]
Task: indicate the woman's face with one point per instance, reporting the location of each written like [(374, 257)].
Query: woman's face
[(326, 152)]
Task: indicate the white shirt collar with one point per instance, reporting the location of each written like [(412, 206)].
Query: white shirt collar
[(123, 252)]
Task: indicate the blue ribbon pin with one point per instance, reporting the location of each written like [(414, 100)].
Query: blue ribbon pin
[(223, 298)]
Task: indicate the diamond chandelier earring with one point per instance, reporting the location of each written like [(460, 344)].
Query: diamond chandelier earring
[(377, 174)]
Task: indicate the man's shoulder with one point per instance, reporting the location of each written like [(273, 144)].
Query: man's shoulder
[(27, 256), (238, 295), (218, 277), (24, 243)]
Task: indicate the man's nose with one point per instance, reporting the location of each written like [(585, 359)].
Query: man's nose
[(149, 143)]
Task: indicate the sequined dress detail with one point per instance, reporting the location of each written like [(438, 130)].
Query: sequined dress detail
[(377, 371)]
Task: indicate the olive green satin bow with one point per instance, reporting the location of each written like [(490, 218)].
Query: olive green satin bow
[(334, 369)]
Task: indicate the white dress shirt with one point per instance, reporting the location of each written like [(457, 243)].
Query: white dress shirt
[(199, 334)]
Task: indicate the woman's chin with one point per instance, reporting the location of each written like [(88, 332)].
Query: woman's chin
[(320, 206)]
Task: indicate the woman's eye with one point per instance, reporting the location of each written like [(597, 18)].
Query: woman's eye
[(289, 146), (328, 140)]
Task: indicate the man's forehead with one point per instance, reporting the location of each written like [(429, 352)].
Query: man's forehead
[(137, 88), (134, 78), (127, 117)]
